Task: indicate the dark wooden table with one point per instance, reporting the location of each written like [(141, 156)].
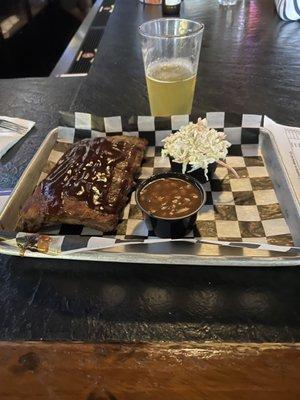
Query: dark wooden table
[(249, 63)]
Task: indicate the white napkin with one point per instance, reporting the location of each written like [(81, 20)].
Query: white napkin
[(9, 138)]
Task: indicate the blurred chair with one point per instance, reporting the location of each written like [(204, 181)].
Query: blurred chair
[(78, 8)]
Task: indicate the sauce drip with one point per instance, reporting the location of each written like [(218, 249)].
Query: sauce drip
[(36, 242), (85, 172), (170, 198)]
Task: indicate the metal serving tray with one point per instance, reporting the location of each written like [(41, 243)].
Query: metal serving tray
[(180, 253)]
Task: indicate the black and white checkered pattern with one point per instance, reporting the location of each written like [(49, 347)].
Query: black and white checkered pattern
[(237, 210), (70, 244)]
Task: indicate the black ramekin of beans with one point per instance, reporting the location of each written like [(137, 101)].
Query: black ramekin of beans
[(170, 203)]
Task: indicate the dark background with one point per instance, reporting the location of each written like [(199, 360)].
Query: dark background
[(35, 48)]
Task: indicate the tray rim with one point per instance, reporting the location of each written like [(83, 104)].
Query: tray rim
[(105, 255), (29, 167), (163, 259)]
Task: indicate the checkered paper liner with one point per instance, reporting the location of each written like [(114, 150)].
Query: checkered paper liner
[(242, 212)]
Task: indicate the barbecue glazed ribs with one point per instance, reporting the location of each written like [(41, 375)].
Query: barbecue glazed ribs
[(88, 186)]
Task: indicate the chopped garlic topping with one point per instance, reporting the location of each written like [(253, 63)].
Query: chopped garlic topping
[(197, 145)]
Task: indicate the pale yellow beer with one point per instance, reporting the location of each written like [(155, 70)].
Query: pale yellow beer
[(171, 86)]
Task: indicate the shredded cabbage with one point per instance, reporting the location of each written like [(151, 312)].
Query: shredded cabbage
[(196, 145)]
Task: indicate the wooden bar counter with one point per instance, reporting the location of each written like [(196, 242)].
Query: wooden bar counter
[(177, 371)]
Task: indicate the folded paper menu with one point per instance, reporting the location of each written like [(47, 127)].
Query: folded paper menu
[(287, 139)]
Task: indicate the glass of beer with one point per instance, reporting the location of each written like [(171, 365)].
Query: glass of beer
[(171, 48)]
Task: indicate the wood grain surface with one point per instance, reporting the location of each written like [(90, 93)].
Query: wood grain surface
[(190, 371)]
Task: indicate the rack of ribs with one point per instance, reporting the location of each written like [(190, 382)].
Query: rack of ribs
[(88, 186)]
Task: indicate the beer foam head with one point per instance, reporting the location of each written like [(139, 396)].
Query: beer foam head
[(175, 69)]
